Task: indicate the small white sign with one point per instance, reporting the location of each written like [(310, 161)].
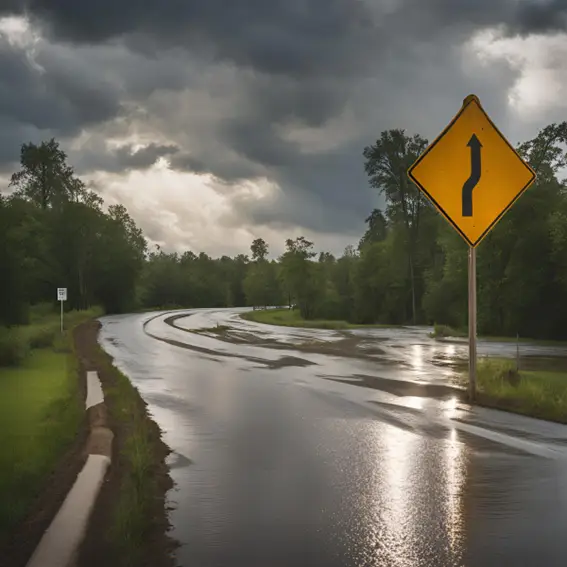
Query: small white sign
[(62, 294)]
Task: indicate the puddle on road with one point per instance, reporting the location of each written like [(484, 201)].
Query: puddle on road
[(401, 388), (284, 361), (385, 346), (176, 460), (349, 346)]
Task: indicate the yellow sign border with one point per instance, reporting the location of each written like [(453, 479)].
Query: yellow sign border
[(469, 100)]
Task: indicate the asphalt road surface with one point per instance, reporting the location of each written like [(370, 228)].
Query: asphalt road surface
[(296, 447)]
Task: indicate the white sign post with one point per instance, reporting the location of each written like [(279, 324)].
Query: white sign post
[(62, 296)]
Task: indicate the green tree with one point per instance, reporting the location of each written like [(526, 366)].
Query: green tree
[(44, 176), (261, 283), (300, 276), (387, 163), (377, 228), (381, 281), (259, 249), (13, 297), (343, 279)]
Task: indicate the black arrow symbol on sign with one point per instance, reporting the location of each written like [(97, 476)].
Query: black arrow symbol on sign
[(475, 145)]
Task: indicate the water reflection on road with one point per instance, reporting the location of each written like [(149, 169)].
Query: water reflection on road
[(292, 449)]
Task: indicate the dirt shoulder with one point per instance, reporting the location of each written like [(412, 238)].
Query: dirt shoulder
[(129, 523)]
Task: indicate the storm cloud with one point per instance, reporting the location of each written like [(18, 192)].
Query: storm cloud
[(284, 94)]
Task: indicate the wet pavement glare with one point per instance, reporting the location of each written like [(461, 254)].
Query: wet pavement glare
[(285, 456)]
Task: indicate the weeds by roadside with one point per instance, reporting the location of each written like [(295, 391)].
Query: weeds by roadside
[(44, 331), (40, 414), (541, 394), (292, 318), (139, 456)]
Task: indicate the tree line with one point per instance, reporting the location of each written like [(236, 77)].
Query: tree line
[(409, 267)]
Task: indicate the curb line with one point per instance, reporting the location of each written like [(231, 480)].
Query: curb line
[(60, 543)]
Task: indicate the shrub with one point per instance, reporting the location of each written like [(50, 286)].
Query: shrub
[(42, 311), (61, 343), (73, 318), (41, 336), (14, 346)]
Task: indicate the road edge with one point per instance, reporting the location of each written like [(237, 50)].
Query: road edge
[(60, 543), (130, 523)]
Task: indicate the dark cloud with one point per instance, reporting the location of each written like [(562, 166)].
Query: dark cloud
[(187, 162), (95, 156), (290, 37), (39, 102), (515, 16), (50, 98), (281, 36), (144, 157), (225, 170), (250, 89), (542, 17), (258, 142), (311, 100), (338, 198), (12, 134)]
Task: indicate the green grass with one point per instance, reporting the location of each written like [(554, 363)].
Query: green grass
[(543, 342), (43, 331), (293, 318), (40, 409), (541, 393), (132, 515), (445, 331), (40, 414)]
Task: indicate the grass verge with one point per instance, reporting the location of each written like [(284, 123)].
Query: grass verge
[(293, 318), (40, 413), (132, 511), (130, 517), (543, 342), (541, 394), (44, 331), (39, 417), (444, 331)]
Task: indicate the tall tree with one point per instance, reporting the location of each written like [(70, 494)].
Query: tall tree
[(259, 249), (13, 300), (44, 176), (260, 284), (300, 275), (377, 228), (387, 163)]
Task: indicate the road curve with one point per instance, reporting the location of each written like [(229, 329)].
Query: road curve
[(296, 447)]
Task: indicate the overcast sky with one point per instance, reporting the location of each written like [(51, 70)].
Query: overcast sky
[(218, 121)]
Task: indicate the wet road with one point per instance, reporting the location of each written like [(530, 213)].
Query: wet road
[(297, 447)]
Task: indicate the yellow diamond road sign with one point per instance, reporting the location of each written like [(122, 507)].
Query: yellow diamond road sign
[(471, 173)]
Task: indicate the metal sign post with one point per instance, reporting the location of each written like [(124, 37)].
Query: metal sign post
[(62, 296), (472, 175), (472, 322)]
